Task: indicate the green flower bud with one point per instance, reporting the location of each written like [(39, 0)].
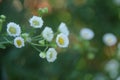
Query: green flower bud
[(42, 54), (26, 37), (91, 56), (42, 42), (3, 17), (42, 11)]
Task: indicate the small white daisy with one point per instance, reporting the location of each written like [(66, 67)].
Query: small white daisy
[(42, 55), (51, 55), (13, 29), (36, 22), (19, 42), (86, 33), (48, 34), (109, 39), (62, 40), (63, 29)]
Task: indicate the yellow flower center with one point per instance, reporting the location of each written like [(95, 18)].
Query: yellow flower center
[(19, 42), (51, 55), (109, 40), (12, 30), (35, 22), (61, 40)]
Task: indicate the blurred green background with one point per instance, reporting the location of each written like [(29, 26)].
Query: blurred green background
[(82, 60)]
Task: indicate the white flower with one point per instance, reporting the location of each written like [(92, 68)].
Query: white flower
[(86, 33), (118, 78), (19, 42), (63, 29), (36, 22), (109, 39), (62, 40), (48, 34), (112, 67), (116, 2), (42, 55), (51, 55), (13, 29), (99, 77)]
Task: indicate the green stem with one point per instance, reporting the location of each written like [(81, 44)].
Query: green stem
[(36, 48), (8, 40)]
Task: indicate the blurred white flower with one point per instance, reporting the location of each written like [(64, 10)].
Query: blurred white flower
[(42, 55), (62, 40), (99, 77), (116, 2), (118, 78), (36, 22), (112, 67), (109, 39), (48, 34), (51, 55), (13, 29), (63, 29), (19, 42), (86, 33)]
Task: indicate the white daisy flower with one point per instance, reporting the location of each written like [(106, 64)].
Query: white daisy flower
[(13, 29), (36, 22), (62, 40), (51, 55), (86, 33), (63, 29), (42, 55), (109, 39), (19, 42), (48, 34)]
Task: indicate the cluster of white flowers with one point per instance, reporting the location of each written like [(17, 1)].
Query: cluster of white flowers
[(109, 39), (14, 30), (44, 39), (61, 40)]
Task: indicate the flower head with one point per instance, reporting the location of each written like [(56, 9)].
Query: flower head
[(36, 22), (19, 42), (51, 55), (86, 33), (62, 40), (63, 29), (48, 34), (13, 29), (109, 39)]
